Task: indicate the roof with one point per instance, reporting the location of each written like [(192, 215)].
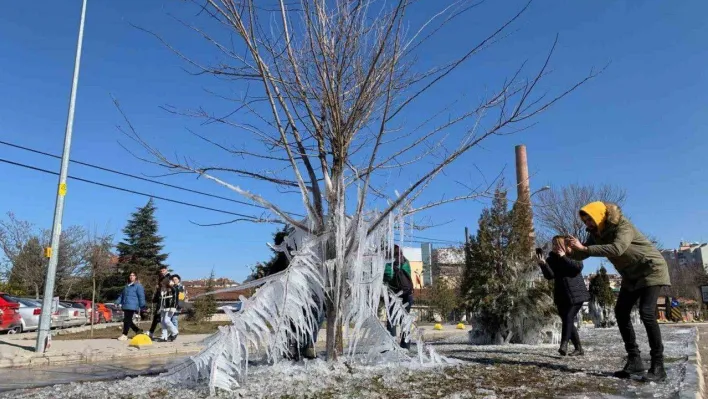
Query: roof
[(413, 254), (220, 297)]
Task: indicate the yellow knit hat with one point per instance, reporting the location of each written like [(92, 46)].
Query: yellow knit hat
[(597, 211)]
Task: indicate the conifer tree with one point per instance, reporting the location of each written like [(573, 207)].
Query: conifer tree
[(501, 289), (205, 305), (141, 250)]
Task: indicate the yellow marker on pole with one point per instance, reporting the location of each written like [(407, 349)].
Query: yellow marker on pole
[(48, 252), (62, 189)]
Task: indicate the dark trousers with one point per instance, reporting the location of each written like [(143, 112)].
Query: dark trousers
[(568, 313), (155, 320), (647, 313), (407, 303), (128, 322)]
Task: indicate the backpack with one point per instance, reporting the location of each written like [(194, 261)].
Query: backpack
[(402, 281)]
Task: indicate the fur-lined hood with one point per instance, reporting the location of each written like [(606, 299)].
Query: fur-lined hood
[(604, 214), (614, 214)]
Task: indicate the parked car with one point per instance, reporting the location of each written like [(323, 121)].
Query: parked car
[(58, 319), (101, 313), (29, 312), (116, 312), (76, 316), (10, 319)]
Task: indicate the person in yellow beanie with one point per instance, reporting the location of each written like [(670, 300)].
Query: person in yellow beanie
[(644, 273)]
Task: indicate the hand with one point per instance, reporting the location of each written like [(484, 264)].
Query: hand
[(561, 253), (576, 244), (540, 260)]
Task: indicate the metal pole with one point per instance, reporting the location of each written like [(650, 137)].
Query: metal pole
[(53, 252)]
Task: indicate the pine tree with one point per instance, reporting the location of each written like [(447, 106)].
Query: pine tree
[(601, 290), (278, 261), (499, 282), (205, 305), (141, 251)]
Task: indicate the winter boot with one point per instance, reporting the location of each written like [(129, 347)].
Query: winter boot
[(634, 366), (563, 350), (656, 372), (578, 351), (309, 352)]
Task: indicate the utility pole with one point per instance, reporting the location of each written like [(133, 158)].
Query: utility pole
[(53, 252), (467, 237)]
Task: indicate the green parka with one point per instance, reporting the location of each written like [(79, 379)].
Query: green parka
[(635, 258)]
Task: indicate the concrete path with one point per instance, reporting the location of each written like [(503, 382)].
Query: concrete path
[(16, 352), (703, 357)]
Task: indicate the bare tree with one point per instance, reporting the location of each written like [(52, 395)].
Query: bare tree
[(328, 86), (686, 279), (97, 256), (556, 210), (25, 262)]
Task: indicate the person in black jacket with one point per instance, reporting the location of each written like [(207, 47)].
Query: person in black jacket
[(569, 291), (162, 277)]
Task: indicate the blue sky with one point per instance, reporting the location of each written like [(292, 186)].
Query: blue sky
[(637, 125)]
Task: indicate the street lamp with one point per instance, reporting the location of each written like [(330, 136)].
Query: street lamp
[(544, 188), (52, 252)]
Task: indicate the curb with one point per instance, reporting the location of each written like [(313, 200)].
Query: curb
[(54, 360), (692, 385)]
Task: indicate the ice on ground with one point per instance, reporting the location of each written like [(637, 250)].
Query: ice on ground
[(508, 371)]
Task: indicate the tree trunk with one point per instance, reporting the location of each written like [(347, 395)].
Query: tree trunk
[(331, 331)]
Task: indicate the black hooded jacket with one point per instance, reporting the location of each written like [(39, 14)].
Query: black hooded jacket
[(569, 286)]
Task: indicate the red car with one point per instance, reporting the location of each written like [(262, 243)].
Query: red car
[(10, 319)]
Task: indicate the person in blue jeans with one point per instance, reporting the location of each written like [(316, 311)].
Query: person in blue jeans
[(181, 294), (397, 275), (131, 300)]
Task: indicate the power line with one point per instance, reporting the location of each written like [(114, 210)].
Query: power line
[(125, 189), (136, 176)]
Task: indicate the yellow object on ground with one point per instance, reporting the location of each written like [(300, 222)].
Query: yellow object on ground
[(437, 327), (460, 326), (140, 340)]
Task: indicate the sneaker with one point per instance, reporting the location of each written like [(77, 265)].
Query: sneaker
[(656, 372), (563, 350), (171, 338), (123, 338), (633, 366)]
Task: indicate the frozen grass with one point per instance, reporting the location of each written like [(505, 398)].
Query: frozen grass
[(514, 371)]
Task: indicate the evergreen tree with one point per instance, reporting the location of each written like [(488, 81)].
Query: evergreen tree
[(444, 298), (141, 250), (205, 305), (278, 261), (500, 282), (601, 290)]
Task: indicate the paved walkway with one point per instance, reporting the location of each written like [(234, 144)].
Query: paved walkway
[(703, 351), (18, 350)]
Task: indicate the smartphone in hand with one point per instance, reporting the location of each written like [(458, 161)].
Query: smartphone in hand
[(539, 251)]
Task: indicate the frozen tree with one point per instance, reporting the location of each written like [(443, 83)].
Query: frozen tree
[(327, 93), (508, 305), (602, 299)]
